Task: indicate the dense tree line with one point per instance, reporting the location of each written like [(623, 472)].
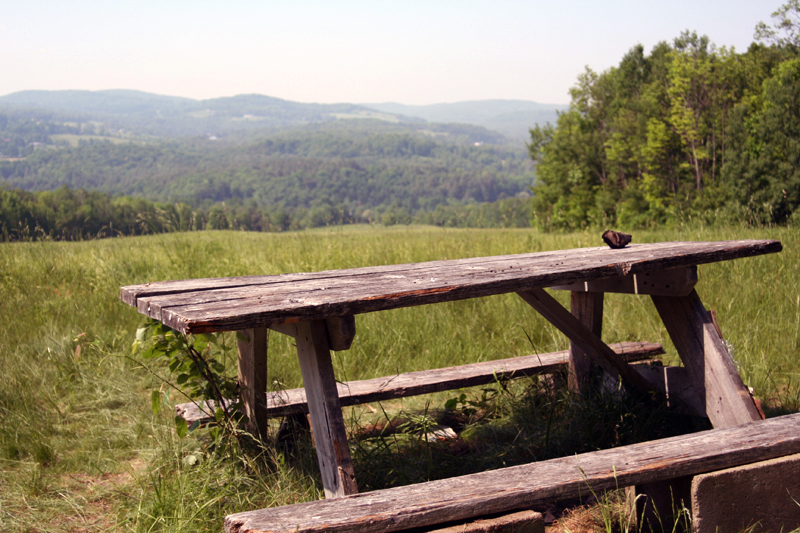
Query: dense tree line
[(69, 214), (690, 130)]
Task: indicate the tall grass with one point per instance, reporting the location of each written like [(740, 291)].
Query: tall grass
[(81, 450)]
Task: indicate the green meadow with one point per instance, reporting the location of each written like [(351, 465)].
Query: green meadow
[(81, 449)]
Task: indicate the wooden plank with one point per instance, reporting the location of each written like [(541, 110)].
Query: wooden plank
[(341, 293), (341, 331), (570, 326), (131, 293), (325, 409), (695, 253), (525, 486), (670, 282), (419, 279), (706, 359), (293, 401), (252, 345), (587, 307), (520, 522)]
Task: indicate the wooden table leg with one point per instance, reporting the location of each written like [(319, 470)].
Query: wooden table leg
[(707, 360), (587, 307), (313, 350), (252, 344)]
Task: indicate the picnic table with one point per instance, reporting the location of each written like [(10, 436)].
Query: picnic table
[(318, 309)]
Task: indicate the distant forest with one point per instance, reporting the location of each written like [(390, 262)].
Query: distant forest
[(69, 214), (688, 131)]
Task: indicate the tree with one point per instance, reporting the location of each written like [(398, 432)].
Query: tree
[(787, 22), (765, 158)]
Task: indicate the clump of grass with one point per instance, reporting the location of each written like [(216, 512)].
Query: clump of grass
[(509, 424)]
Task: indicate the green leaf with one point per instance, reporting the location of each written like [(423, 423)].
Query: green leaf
[(181, 427), (151, 353), (200, 345), (155, 402), (219, 414), (181, 379), (141, 334), (452, 403)]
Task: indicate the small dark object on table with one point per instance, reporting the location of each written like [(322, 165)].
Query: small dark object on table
[(616, 239)]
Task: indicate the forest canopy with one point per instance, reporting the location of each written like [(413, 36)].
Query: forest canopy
[(690, 130)]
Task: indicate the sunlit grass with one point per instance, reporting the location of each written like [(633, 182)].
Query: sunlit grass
[(80, 448)]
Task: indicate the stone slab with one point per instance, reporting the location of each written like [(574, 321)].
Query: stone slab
[(761, 497), (521, 522)]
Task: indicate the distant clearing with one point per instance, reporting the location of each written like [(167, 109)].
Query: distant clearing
[(74, 140)]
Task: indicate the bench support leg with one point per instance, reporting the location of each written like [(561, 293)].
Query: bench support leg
[(707, 360), (711, 369), (252, 344), (587, 307), (333, 454)]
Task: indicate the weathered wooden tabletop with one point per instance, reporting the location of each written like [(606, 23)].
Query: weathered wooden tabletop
[(226, 304)]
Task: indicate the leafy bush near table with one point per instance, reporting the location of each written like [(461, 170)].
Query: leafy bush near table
[(196, 362)]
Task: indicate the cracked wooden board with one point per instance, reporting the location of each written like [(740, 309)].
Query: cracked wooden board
[(524, 486), (226, 304)]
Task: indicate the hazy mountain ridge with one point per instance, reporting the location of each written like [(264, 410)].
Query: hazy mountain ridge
[(512, 118), (153, 114)]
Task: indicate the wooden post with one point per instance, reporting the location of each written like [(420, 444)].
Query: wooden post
[(711, 369), (333, 454), (710, 366), (587, 307), (252, 344)]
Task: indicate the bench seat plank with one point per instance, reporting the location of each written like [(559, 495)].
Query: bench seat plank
[(199, 306), (518, 487), (291, 401)]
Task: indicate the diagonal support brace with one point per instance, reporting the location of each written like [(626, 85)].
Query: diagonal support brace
[(590, 343)]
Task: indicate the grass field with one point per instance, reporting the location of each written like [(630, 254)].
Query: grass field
[(81, 450)]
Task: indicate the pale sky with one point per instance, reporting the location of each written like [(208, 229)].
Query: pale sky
[(410, 51)]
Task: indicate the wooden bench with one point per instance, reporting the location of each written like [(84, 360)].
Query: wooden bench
[(523, 487), (294, 401), (318, 310)]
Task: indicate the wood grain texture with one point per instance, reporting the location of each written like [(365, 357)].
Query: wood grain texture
[(707, 360), (291, 401), (252, 345), (578, 333), (522, 487), (341, 331), (196, 306), (587, 307), (330, 435), (670, 282)]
